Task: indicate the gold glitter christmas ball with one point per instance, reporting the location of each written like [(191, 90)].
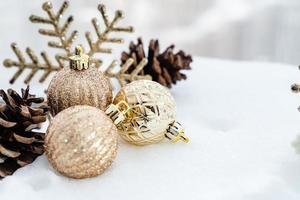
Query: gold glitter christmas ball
[(151, 115), (81, 142), (79, 84)]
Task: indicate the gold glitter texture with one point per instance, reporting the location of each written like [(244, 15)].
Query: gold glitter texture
[(81, 142), (71, 87)]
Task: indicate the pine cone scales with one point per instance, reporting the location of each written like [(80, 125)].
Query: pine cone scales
[(165, 67), (19, 144)]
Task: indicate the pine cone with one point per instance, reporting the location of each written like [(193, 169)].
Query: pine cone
[(165, 67), (19, 144)]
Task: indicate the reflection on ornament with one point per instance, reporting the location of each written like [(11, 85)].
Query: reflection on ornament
[(117, 112), (151, 115)]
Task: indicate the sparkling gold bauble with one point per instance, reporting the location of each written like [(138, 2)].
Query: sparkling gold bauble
[(79, 84), (81, 142), (152, 110)]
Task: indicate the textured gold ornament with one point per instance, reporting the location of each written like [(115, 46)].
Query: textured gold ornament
[(81, 142), (151, 115), (59, 30), (79, 85)]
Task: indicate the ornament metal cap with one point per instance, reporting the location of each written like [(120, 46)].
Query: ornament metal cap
[(79, 61), (117, 112), (175, 132)]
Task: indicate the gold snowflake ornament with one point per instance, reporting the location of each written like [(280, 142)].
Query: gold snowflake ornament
[(60, 39)]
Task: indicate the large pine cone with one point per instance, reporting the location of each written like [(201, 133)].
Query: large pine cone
[(165, 67), (19, 144)]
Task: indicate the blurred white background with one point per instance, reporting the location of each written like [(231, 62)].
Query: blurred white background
[(255, 30), (233, 29)]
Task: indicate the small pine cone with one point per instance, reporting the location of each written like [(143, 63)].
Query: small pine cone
[(19, 116), (165, 67)]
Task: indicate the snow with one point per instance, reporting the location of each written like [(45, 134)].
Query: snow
[(241, 118)]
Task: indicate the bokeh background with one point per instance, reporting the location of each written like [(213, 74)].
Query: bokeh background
[(260, 30), (251, 30)]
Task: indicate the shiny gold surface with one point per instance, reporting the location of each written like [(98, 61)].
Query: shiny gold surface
[(152, 109), (79, 61)]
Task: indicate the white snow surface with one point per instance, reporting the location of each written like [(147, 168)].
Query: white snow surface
[(241, 118)]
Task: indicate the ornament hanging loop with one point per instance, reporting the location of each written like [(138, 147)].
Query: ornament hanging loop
[(175, 132), (117, 112), (79, 61)]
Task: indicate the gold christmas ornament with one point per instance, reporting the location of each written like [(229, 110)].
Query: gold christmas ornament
[(79, 85), (150, 113), (63, 39), (81, 142)]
